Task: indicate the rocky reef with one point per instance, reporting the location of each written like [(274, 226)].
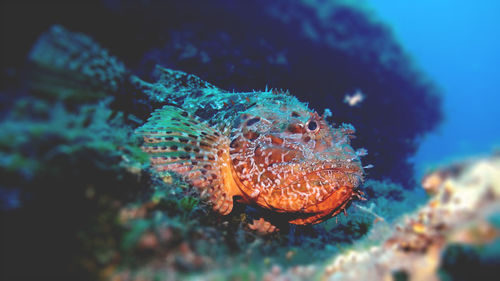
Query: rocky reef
[(454, 236)]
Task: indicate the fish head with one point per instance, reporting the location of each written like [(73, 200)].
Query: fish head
[(289, 159)]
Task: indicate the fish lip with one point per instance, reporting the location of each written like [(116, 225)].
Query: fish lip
[(332, 184), (358, 175), (356, 171), (347, 168)]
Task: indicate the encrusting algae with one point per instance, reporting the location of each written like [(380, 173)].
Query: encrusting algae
[(260, 148), (459, 212)]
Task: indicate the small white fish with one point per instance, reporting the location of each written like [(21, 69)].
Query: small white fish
[(354, 99)]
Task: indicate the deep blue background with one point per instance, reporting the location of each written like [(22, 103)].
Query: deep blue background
[(457, 43)]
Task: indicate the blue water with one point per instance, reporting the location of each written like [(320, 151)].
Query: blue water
[(457, 44)]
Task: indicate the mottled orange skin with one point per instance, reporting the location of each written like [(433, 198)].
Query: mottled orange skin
[(282, 163), (276, 154)]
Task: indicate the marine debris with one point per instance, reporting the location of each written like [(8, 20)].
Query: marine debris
[(355, 99)]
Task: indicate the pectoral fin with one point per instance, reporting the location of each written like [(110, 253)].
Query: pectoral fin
[(179, 142)]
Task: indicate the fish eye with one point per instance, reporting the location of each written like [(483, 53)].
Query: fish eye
[(312, 126)]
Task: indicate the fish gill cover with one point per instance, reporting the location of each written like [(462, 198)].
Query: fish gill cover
[(73, 170)]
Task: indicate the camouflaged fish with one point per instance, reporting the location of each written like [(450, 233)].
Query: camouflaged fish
[(261, 148)]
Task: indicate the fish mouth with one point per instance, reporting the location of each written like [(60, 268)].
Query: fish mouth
[(326, 172), (315, 184), (334, 177)]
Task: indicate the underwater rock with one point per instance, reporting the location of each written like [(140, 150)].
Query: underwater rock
[(72, 169), (461, 211), (455, 236), (74, 66)]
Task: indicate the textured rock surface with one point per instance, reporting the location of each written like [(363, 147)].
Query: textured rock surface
[(455, 236)]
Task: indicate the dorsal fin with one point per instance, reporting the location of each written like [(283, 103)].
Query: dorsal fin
[(179, 142), (179, 80)]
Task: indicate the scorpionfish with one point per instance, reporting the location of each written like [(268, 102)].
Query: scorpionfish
[(263, 148)]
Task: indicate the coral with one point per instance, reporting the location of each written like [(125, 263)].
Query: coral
[(262, 227), (160, 225), (459, 212), (454, 236), (59, 133), (72, 169), (74, 66)]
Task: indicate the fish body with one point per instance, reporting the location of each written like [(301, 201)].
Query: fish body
[(266, 148), (263, 148)]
